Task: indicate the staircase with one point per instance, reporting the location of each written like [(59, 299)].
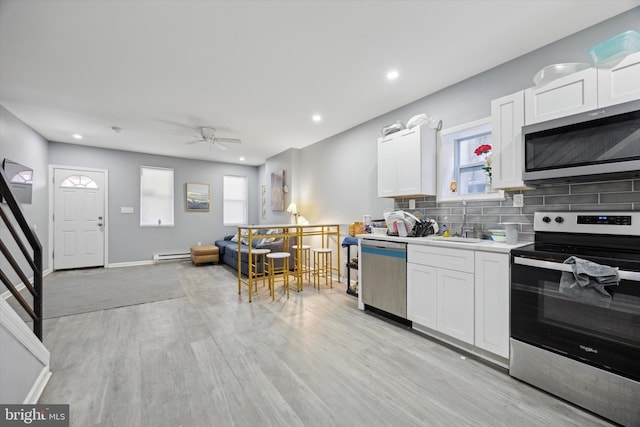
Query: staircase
[(24, 360)]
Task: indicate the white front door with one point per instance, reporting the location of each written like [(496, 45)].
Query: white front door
[(78, 218)]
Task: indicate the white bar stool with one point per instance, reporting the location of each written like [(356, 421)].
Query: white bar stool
[(258, 267), (283, 270), (322, 266), (305, 261)]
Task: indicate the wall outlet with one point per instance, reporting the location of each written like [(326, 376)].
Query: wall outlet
[(518, 200), (126, 209), (412, 203)]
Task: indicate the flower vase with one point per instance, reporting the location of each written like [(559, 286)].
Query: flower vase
[(489, 186)]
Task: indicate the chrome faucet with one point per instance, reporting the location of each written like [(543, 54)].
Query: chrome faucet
[(464, 232)]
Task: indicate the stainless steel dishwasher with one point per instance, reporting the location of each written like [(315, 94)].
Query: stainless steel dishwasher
[(384, 277)]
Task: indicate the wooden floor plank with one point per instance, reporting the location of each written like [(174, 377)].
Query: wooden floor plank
[(212, 358)]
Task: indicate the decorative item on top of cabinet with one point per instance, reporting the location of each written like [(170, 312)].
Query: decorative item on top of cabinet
[(407, 163)]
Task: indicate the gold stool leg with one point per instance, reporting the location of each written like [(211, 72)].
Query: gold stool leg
[(285, 272), (271, 279), (330, 272)]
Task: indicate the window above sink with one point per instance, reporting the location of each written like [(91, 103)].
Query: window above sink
[(464, 163)]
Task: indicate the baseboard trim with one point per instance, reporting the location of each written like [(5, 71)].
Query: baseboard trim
[(129, 264), (38, 387)]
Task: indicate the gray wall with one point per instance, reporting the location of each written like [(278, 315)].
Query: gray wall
[(338, 176), (128, 242), (18, 367), (22, 144), (285, 161)]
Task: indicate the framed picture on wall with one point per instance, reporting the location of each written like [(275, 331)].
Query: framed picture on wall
[(277, 191), (198, 197)]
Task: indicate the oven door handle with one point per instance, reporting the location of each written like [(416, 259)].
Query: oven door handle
[(549, 265)]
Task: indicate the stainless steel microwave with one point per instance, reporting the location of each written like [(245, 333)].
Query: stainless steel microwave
[(597, 145)]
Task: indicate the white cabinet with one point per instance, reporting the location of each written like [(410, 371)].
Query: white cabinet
[(407, 163), (507, 119), (619, 81), (422, 294), (462, 294), (440, 290), (572, 94), (492, 302), (455, 304)]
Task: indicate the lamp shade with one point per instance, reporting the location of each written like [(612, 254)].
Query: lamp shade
[(292, 209)]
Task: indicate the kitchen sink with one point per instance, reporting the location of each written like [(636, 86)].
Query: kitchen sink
[(456, 239)]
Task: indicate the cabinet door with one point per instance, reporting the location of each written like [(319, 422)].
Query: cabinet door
[(619, 81), (567, 95), (409, 165), (387, 167), (492, 303), (455, 304), (422, 295), (507, 119)]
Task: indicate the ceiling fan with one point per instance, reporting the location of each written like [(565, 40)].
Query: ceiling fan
[(208, 134)]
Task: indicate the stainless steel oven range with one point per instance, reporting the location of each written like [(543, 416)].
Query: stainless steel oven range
[(575, 322)]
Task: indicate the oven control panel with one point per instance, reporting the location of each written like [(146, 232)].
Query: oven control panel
[(605, 219), (620, 223)]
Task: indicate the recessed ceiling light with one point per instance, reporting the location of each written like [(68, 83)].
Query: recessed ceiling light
[(242, 159), (392, 75), (77, 136), (316, 118)]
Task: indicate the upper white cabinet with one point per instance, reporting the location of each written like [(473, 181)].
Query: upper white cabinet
[(619, 81), (407, 163), (572, 94), (492, 302), (507, 119)]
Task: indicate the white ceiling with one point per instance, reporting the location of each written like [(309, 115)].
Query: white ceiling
[(255, 70)]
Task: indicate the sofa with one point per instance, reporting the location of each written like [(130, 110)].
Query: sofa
[(229, 249)]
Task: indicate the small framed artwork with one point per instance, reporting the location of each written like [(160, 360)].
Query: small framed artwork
[(277, 191), (198, 197)]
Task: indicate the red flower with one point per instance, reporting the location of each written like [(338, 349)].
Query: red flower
[(483, 149)]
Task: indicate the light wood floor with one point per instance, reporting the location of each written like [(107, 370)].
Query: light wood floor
[(213, 359)]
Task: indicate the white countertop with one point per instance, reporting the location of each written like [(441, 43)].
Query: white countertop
[(482, 245)]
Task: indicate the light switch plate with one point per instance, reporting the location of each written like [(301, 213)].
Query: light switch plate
[(126, 210), (412, 203), (518, 200)]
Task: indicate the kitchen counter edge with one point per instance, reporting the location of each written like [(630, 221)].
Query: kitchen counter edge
[(484, 245)]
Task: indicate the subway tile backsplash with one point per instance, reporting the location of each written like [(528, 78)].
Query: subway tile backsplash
[(623, 195)]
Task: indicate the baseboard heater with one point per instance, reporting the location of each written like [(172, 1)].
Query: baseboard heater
[(171, 256)]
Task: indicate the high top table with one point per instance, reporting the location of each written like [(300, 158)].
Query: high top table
[(329, 235)]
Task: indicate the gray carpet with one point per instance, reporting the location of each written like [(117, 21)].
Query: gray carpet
[(82, 291)]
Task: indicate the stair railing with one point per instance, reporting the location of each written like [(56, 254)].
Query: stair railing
[(34, 261)]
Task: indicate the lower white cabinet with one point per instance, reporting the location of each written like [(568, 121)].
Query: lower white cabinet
[(463, 294), (422, 294), (440, 290), (455, 304), (492, 302)]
